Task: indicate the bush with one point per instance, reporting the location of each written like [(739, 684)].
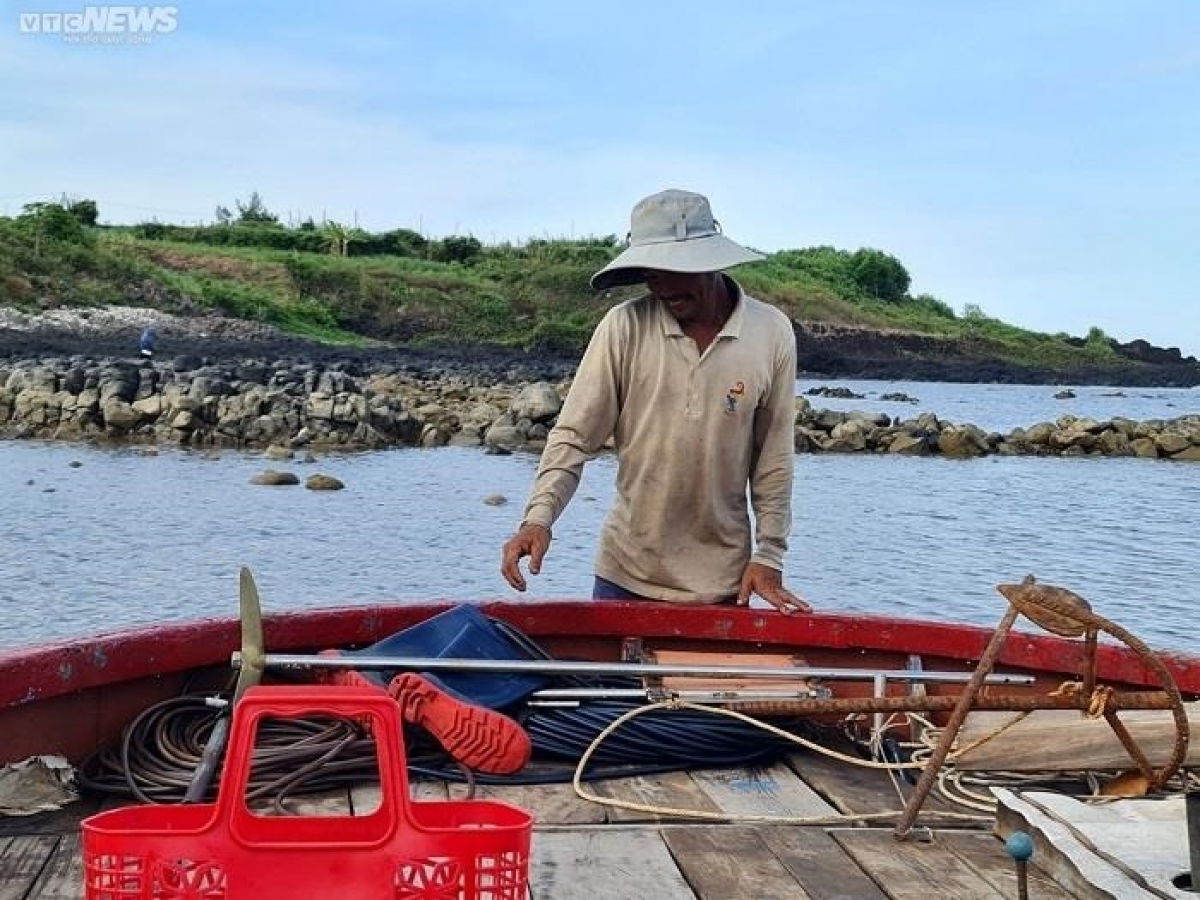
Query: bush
[(254, 212), (52, 221), (85, 211), (931, 304), (879, 275), (457, 248)]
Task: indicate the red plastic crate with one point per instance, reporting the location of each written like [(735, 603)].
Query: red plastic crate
[(403, 850)]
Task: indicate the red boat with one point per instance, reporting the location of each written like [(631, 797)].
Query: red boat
[(804, 825)]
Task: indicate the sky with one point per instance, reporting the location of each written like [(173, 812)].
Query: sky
[(1038, 159)]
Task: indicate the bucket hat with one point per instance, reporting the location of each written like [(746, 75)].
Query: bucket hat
[(673, 231)]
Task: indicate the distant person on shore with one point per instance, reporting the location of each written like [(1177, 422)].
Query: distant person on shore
[(694, 382), (146, 343)]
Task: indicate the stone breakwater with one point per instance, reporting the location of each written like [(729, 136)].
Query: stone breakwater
[(827, 431), (344, 406)]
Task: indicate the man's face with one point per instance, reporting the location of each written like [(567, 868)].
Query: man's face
[(685, 296)]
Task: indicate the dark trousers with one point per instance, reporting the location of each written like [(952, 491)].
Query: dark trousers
[(603, 589)]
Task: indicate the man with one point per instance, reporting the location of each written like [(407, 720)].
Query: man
[(695, 384), (146, 343)]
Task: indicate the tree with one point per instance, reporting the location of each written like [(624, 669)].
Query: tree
[(879, 274), (338, 236), (53, 221), (254, 212), (85, 211), (224, 216), (404, 242), (457, 248), (1098, 340)]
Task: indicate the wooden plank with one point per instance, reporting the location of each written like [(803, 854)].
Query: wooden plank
[(1064, 740), (819, 864), (609, 864), (914, 870), (58, 821), (847, 788), (674, 790), (549, 804), (428, 789), (366, 797), (22, 863), (62, 878), (331, 802), (757, 791), (717, 860), (985, 852), (852, 789)]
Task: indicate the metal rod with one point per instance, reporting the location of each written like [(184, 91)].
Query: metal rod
[(1191, 801), (732, 696), (573, 667), (993, 703), (950, 731), (880, 691), (708, 698), (1022, 880), (1130, 745), (1089, 665)]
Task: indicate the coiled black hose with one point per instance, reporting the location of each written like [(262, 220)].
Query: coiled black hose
[(160, 750)]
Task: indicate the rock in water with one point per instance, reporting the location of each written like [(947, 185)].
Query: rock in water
[(271, 477), (320, 482)]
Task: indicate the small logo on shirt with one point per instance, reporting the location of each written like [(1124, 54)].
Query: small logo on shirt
[(732, 396)]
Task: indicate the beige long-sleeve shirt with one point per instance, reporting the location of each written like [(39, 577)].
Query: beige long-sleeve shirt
[(692, 432)]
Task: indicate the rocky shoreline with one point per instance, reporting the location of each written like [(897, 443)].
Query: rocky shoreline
[(235, 384)]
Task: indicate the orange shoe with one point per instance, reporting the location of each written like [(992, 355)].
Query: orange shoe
[(344, 677), (478, 737)]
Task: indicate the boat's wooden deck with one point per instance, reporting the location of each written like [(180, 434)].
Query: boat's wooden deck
[(585, 850)]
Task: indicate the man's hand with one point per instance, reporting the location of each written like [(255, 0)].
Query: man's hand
[(768, 584), (530, 540)]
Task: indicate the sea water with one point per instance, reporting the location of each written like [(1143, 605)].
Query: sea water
[(96, 540)]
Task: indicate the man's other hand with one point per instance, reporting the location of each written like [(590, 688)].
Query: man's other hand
[(530, 540), (768, 584)]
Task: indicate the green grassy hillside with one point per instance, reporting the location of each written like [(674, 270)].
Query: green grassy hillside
[(342, 285)]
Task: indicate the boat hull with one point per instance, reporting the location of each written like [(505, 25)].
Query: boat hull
[(71, 697)]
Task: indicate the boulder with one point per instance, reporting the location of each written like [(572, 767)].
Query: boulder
[(1172, 442), (272, 478), (1113, 443), (1144, 447), (962, 441), (119, 415), (537, 402), (318, 482), (850, 435), (909, 444), (149, 408), (505, 435)]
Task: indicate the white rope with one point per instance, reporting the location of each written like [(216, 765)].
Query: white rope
[(709, 815)]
